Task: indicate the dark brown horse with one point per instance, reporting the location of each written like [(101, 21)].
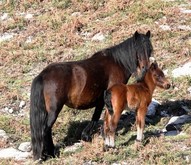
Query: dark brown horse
[(81, 85), (135, 96)]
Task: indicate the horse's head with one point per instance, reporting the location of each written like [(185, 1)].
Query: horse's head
[(143, 51), (158, 76)]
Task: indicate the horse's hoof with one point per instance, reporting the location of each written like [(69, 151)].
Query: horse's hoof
[(86, 137)]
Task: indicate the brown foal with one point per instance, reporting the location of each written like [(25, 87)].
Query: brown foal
[(136, 96)]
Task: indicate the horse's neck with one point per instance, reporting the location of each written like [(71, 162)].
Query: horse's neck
[(148, 81)]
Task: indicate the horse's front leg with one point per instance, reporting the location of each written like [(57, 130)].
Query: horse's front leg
[(88, 131)]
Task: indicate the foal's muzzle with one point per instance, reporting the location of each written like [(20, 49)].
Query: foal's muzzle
[(167, 86)]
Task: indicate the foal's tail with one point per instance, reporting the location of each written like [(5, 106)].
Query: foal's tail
[(38, 117), (107, 100)]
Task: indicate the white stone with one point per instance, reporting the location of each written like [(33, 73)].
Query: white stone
[(73, 148), (185, 11), (28, 16), (189, 90), (25, 147), (13, 153), (4, 16), (22, 104), (76, 14), (188, 158), (6, 109), (165, 72), (11, 110), (3, 134), (98, 37), (184, 27), (185, 70), (6, 36), (165, 27), (29, 39)]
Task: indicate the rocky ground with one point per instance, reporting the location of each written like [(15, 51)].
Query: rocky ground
[(34, 34)]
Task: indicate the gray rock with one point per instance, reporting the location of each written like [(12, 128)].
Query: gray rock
[(6, 36), (73, 148), (189, 90), (22, 104), (13, 153), (3, 134), (25, 147), (151, 111), (98, 37), (174, 124), (179, 119), (188, 158), (28, 16), (184, 70), (4, 16), (6, 109), (10, 110), (171, 133)]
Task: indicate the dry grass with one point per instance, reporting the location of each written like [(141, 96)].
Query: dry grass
[(63, 31)]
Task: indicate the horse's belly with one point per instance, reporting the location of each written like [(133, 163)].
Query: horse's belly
[(82, 101)]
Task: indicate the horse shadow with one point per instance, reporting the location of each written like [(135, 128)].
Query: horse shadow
[(127, 123), (74, 132)]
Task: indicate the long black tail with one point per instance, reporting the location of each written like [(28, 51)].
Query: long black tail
[(107, 100), (38, 117)]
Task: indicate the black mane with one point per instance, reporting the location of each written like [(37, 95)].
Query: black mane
[(131, 50)]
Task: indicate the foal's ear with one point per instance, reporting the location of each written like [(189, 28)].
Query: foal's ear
[(154, 65), (136, 34), (148, 34)]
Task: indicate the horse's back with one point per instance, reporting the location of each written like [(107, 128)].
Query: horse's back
[(76, 84)]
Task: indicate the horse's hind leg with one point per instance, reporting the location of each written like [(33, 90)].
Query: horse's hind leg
[(53, 111), (88, 131)]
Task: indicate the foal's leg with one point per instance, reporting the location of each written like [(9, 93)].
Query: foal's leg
[(140, 122), (110, 125), (88, 131)]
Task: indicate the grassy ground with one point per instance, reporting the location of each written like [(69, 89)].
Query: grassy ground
[(63, 31)]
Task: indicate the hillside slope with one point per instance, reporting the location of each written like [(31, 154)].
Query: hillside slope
[(34, 34)]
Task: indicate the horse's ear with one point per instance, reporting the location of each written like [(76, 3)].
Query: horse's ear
[(148, 34), (136, 34)]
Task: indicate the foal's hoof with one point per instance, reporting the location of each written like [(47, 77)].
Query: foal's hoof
[(107, 148), (138, 145)]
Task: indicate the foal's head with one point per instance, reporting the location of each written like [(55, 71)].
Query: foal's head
[(158, 76)]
